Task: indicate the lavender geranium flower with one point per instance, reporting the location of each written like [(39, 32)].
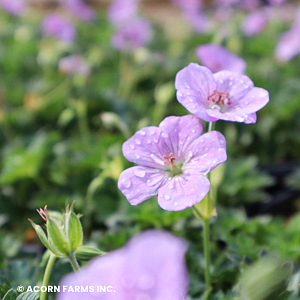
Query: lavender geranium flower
[(132, 35), (122, 11), (74, 64), (255, 23), (14, 7), (150, 266), (218, 58), (289, 42), (224, 95), (79, 9), (172, 160), (57, 26)]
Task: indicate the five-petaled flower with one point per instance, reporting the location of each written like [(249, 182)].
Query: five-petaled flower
[(224, 95), (172, 160)]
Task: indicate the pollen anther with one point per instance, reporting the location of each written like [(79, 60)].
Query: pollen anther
[(219, 98)]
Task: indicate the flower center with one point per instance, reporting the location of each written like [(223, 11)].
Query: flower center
[(174, 168), (219, 98)]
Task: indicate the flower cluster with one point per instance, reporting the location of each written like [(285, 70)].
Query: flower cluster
[(174, 158)]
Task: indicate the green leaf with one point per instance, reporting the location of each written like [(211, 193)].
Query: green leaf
[(73, 231), (86, 253), (56, 238), (10, 295), (28, 296), (41, 234)]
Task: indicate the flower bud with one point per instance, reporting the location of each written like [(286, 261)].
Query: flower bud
[(62, 239)]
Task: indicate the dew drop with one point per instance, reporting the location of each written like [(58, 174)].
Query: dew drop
[(167, 197), (137, 156), (152, 131), (216, 107), (193, 130), (190, 154), (137, 141), (126, 183), (143, 132), (132, 146), (140, 173)]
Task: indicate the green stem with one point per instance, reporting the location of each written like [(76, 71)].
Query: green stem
[(47, 273), (206, 243), (73, 262)]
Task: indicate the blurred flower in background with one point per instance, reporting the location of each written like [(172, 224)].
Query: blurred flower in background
[(79, 9), (218, 58), (57, 26), (122, 11), (255, 23), (132, 35), (14, 7), (74, 64), (289, 42), (150, 266)]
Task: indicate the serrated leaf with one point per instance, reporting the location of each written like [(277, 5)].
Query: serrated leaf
[(28, 296), (10, 295)]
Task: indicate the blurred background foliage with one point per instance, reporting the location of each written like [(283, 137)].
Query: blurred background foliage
[(61, 140)]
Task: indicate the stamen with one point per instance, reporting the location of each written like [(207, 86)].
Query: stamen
[(43, 213), (169, 159), (219, 98)]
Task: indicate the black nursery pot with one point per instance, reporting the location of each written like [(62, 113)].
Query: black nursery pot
[(282, 198)]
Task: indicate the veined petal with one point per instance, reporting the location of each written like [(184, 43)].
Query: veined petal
[(178, 133), (195, 103), (235, 84), (256, 99), (183, 191), (206, 153), (195, 77), (141, 183), (143, 148)]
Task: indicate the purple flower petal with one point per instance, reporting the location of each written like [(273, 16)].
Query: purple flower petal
[(206, 153), (218, 58), (235, 84), (178, 133), (196, 78), (143, 148), (183, 191), (150, 266), (141, 183)]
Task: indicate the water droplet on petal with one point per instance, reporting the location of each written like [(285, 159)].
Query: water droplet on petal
[(132, 146), (140, 173), (137, 141), (126, 183), (142, 132), (238, 118), (167, 197), (137, 156), (193, 130), (152, 131), (216, 107)]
